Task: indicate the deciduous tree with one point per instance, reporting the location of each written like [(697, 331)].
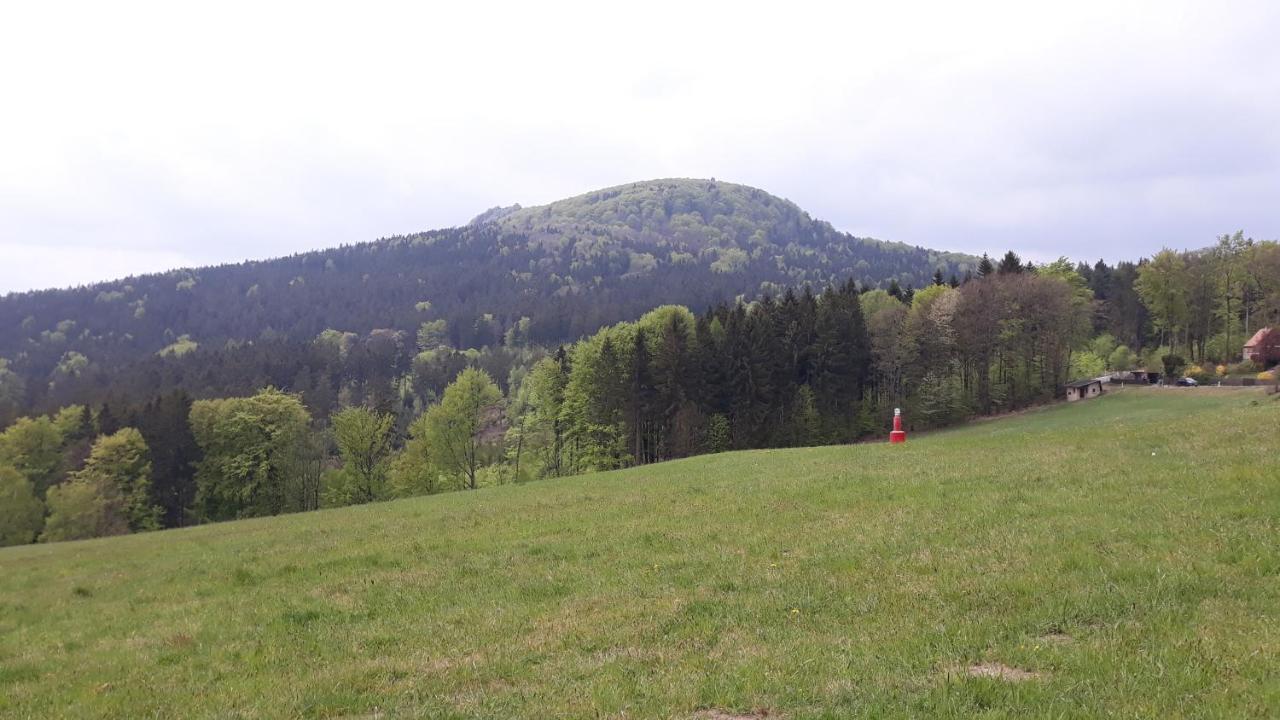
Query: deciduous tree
[(1162, 285), (364, 442), (460, 429), (33, 447), (251, 447), (21, 512), (120, 461), (83, 509)]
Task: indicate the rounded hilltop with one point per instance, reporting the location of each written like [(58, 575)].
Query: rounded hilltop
[(719, 225)]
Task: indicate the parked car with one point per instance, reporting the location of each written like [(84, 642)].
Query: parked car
[(1187, 382)]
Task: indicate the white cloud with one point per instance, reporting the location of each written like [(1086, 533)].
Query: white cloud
[(174, 134)]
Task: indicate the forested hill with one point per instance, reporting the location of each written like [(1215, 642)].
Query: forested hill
[(570, 268)]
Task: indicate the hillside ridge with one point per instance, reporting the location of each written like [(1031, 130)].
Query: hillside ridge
[(551, 274), (513, 217)]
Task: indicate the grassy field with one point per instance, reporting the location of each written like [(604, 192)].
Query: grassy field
[(1117, 557)]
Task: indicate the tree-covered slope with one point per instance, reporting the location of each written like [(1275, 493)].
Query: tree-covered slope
[(570, 267), (720, 227)]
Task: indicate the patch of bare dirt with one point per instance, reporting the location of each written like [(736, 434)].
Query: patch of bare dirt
[(1000, 671), (1056, 638), (718, 714), (180, 641)]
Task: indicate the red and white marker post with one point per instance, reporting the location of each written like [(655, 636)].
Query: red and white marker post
[(898, 435)]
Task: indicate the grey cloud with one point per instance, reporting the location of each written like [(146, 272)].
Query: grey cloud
[(1103, 140)]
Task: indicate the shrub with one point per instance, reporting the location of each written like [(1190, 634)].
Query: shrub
[(1173, 365), (1247, 367), (1087, 365), (1103, 346), (718, 436), (1122, 359), (1151, 359), (1197, 373)]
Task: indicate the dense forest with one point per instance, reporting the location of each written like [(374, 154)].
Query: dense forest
[(348, 418), (546, 275)]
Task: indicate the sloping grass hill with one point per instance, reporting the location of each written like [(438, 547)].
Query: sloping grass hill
[(1117, 557)]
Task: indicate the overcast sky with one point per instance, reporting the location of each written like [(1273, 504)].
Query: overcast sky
[(139, 137)]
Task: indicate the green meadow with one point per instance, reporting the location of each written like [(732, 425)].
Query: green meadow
[(1117, 557)]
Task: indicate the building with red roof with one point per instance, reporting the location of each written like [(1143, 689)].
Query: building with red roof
[(1264, 347)]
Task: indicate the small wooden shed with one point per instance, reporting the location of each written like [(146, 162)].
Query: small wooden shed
[(1081, 389)]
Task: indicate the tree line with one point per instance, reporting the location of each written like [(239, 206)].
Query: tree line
[(800, 369), (1206, 304), (346, 419)]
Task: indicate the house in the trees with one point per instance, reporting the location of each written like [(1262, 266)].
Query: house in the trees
[(1139, 377), (1081, 389), (1264, 347)]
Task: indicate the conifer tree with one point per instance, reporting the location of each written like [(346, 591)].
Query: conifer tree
[(165, 425), (895, 289), (985, 267), (1010, 264)]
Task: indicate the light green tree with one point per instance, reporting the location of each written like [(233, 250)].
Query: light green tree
[(1087, 364), (518, 334), (521, 429), (593, 411), (252, 448), (1082, 307), (412, 471), (82, 509), (930, 339), (336, 343), (21, 512), (874, 301), (432, 334), (1063, 269), (364, 442), (543, 393), (33, 447), (463, 429), (72, 364), (1162, 285), (1152, 358), (1229, 257), (1122, 359), (927, 295), (1103, 345), (121, 461), (73, 422)]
